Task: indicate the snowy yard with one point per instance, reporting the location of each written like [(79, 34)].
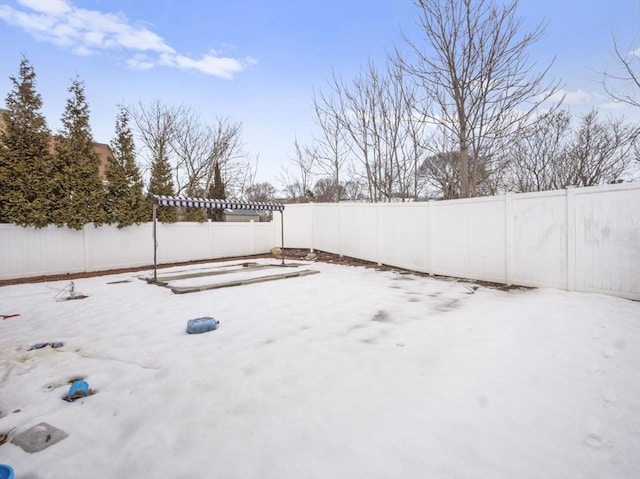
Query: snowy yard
[(350, 373)]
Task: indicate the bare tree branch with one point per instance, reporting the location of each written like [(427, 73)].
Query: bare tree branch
[(474, 65), (629, 62)]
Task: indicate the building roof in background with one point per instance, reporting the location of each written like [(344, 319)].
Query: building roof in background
[(230, 211)]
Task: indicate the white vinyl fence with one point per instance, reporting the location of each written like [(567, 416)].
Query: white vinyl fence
[(585, 239), (29, 252), (578, 239)]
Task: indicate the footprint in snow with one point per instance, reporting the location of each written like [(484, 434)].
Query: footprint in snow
[(610, 397), (607, 353), (620, 344), (595, 438)]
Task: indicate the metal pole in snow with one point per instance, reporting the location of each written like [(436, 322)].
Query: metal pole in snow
[(282, 234), (155, 244)]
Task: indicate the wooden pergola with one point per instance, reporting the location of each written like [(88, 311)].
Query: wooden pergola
[(184, 202)]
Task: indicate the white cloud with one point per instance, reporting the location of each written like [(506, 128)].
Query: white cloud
[(55, 7), (580, 102), (87, 32), (575, 97), (140, 62), (210, 64), (616, 106)]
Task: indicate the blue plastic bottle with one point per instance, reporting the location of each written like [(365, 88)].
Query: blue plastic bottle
[(202, 325)]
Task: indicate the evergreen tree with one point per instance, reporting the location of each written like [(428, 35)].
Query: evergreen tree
[(25, 159), (217, 191), (78, 189), (161, 183), (195, 214), (125, 202)]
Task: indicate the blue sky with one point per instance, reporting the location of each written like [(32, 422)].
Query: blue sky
[(257, 61)]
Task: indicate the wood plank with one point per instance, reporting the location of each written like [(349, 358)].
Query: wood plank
[(228, 284)]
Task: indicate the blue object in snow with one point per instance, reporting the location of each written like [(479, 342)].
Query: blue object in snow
[(202, 325), (77, 390), (55, 345), (6, 472)]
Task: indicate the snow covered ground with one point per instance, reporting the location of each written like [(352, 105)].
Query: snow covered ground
[(350, 373)]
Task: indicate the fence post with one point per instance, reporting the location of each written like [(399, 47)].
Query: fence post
[(571, 238), (311, 225), (509, 238), (379, 234), (430, 237), (341, 228)]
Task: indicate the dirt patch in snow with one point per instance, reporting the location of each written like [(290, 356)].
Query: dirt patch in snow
[(289, 254)]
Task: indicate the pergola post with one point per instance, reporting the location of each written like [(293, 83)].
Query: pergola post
[(282, 234), (155, 245)]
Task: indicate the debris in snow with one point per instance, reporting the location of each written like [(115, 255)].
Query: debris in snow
[(5, 436), (38, 437), (67, 293), (202, 325), (78, 389), (55, 345)]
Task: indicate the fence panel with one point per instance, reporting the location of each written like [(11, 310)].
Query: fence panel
[(297, 227), (405, 235), (469, 238), (263, 237), (359, 227), (539, 241), (230, 239), (28, 252), (108, 247), (607, 235), (327, 228), (179, 242)]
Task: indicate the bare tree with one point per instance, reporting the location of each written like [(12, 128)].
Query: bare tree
[(331, 144), (262, 192), (191, 145), (538, 152), (377, 115), (199, 148), (354, 115), (248, 178), (553, 154), (156, 126), (326, 191), (193, 149), (298, 181), (626, 82), (600, 152), (474, 66), (441, 172), (354, 190), (414, 138), (226, 150)]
